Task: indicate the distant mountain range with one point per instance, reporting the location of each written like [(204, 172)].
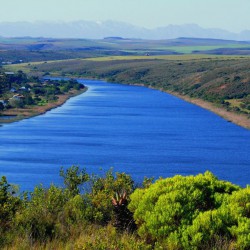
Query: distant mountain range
[(98, 30)]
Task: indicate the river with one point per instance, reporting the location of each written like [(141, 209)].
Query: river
[(140, 131)]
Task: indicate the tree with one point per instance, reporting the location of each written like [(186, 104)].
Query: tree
[(16, 103), (1, 106), (73, 178), (9, 204)]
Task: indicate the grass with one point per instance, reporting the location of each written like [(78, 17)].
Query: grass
[(190, 49), (28, 67), (89, 237), (167, 57), (236, 103)]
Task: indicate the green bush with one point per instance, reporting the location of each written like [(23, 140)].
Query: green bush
[(230, 221), (166, 208), (74, 178), (9, 205), (55, 212), (16, 103), (192, 212), (1, 106), (103, 189), (41, 214)]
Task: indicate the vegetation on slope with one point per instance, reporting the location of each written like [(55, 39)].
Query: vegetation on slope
[(110, 212), (220, 80)]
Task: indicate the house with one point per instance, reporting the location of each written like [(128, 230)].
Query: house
[(13, 90), (9, 73), (17, 97), (45, 82), (3, 102), (24, 89)]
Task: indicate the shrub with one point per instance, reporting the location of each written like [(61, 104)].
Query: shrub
[(39, 218), (1, 106), (74, 178), (164, 209), (230, 221), (108, 238), (103, 189), (9, 205), (16, 103), (193, 212)]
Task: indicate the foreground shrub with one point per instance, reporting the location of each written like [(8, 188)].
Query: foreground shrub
[(74, 178), (102, 191), (9, 205), (93, 212), (55, 212), (230, 222), (166, 208), (91, 237), (39, 217), (107, 237)]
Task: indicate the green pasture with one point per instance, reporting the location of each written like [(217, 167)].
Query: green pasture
[(29, 67), (167, 57), (190, 49)]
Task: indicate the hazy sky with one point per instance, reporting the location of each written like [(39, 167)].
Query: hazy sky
[(232, 15)]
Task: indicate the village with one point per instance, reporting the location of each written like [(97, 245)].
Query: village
[(18, 91)]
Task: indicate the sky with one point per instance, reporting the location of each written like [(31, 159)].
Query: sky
[(232, 15)]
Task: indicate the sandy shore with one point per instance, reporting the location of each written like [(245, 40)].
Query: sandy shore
[(28, 112)]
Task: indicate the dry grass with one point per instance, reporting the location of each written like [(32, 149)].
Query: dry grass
[(92, 237), (166, 57)]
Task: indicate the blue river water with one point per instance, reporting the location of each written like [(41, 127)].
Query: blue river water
[(133, 129)]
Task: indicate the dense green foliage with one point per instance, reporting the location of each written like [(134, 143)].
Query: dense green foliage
[(91, 212), (230, 221), (9, 204), (194, 212), (58, 212)]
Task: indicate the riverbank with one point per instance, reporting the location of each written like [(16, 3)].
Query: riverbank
[(238, 119), (31, 111), (24, 113)]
